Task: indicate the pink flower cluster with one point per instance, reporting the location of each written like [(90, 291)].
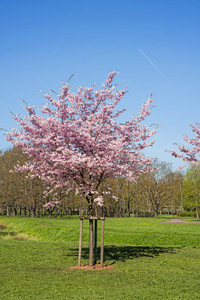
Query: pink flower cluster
[(51, 204), (76, 142), (190, 155)]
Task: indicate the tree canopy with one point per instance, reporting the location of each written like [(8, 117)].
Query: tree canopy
[(76, 142)]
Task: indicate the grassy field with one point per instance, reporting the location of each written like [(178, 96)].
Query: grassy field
[(152, 259)]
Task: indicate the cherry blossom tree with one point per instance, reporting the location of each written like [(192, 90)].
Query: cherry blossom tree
[(75, 141), (190, 155)]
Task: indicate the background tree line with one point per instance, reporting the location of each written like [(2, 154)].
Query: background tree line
[(161, 191)]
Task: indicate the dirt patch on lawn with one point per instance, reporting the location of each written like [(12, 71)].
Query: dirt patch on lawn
[(177, 221), (95, 267)]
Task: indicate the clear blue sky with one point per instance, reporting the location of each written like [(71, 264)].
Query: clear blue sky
[(44, 42)]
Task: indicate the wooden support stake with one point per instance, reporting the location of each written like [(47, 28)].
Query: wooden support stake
[(102, 241), (91, 244), (95, 243), (80, 242)]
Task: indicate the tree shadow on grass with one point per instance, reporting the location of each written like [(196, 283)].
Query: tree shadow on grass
[(122, 253)]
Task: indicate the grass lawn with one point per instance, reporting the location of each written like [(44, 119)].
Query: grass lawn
[(151, 259)]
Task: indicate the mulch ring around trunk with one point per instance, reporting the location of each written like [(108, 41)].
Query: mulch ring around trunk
[(95, 267)]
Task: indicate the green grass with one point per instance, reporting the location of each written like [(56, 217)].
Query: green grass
[(151, 259)]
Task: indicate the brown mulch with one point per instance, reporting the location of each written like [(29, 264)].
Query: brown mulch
[(95, 267)]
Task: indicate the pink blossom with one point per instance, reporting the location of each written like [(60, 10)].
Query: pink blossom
[(76, 142), (190, 155), (51, 204)]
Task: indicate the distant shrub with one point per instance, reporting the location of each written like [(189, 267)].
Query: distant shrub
[(187, 214)]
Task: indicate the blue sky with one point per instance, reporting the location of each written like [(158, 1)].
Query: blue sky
[(44, 42)]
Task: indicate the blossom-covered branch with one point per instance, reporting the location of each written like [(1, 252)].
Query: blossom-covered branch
[(190, 155), (76, 142)]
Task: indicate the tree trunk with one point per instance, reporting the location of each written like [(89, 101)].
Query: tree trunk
[(29, 212), (8, 211), (56, 212), (197, 212), (33, 213), (108, 211), (60, 211), (129, 212), (50, 214), (123, 212), (38, 212), (149, 209), (117, 210), (120, 211), (133, 209), (155, 214), (24, 211), (96, 211), (14, 212), (137, 211)]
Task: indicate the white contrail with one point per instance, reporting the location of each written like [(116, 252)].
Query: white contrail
[(155, 66)]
